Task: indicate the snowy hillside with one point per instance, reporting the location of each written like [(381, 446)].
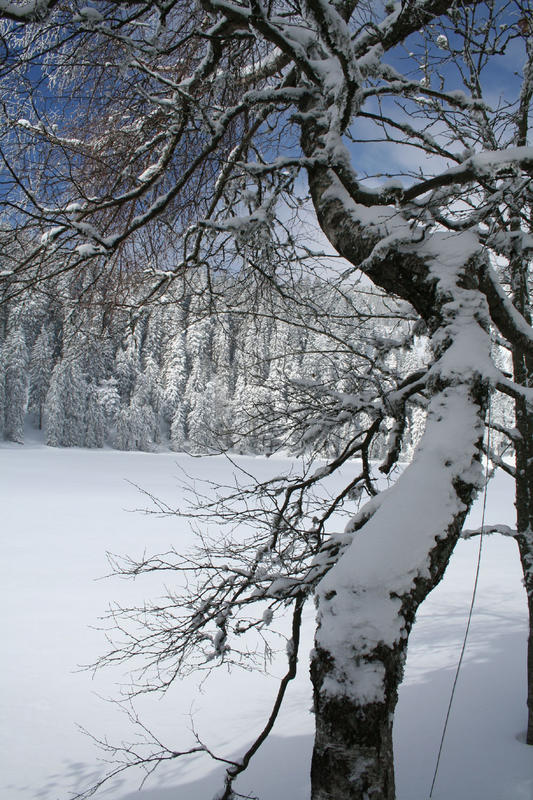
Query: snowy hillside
[(64, 508)]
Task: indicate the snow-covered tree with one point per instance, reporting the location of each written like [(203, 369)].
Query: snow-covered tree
[(65, 406), (196, 399), (94, 418), (178, 422), (174, 375), (227, 124), (153, 395), (109, 399), (143, 418), (2, 393), (15, 354), (124, 437), (41, 365), (127, 368)]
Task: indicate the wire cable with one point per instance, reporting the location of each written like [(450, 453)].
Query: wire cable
[(471, 611)]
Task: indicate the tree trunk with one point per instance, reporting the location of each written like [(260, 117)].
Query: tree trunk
[(523, 374), (368, 600), (353, 753)]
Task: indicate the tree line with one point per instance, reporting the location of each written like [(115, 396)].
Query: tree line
[(184, 377)]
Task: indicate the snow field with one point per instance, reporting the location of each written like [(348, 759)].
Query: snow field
[(63, 509)]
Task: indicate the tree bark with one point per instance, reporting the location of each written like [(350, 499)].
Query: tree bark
[(353, 752), (523, 375)]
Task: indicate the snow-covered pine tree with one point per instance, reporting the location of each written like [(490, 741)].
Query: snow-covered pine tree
[(123, 434), (127, 367), (136, 422), (252, 362), (109, 402), (66, 405), (173, 381), (201, 416), (15, 355), (41, 366), (142, 419), (2, 391), (94, 418), (177, 431), (151, 378)]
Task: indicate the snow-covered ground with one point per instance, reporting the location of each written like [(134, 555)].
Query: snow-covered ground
[(63, 509)]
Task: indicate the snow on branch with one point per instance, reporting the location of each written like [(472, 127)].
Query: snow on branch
[(31, 11), (488, 164), (505, 316), (504, 530)]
